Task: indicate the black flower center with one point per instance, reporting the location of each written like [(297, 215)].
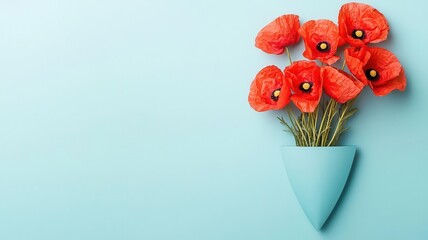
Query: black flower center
[(275, 94), (358, 34), (323, 46), (372, 75), (306, 86)]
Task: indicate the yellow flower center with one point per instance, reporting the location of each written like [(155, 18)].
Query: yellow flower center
[(306, 86), (359, 33), (323, 46), (275, 94), (372, 74)]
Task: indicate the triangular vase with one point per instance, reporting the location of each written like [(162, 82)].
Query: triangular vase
[(317, 176)]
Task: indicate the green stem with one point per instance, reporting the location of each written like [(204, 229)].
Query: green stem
[(330, 116), (346, 112), (321, 128), (314, 128), (343, 64), (289, 56), (296, 122)]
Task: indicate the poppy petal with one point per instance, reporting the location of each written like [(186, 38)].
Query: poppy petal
[(278, 34), (360, 24), (385, 63), (331, 60), (339, 85), (269, 90), (306, 84), (356, 59), (376, 67), (398, 83), (321, 39), (304, 104)]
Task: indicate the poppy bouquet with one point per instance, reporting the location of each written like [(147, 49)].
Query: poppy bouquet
[(324, 93)]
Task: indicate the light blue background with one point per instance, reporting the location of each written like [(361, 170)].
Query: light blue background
[(129, 120)]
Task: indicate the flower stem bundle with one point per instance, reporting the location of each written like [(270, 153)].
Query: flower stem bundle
[(320, 127), (305, 83)]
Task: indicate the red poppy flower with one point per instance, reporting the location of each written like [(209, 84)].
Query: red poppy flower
[(306, 84), (321, 39), (280, 33), (339, 85), (269, 90), (376, 67), (360, 24)]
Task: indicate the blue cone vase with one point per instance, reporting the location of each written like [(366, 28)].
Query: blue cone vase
[(317, 176)]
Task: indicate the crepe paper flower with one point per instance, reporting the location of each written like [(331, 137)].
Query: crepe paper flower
[(321, 39), (376, 67), (280, 33), (340, 85), (306, 84), (269, 90), (321, 122), (360, 24)]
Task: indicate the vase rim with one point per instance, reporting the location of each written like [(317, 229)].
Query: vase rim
[(341, 146)]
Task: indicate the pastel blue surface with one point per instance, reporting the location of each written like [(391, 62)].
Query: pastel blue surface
[(129, 120), (317, 176)]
